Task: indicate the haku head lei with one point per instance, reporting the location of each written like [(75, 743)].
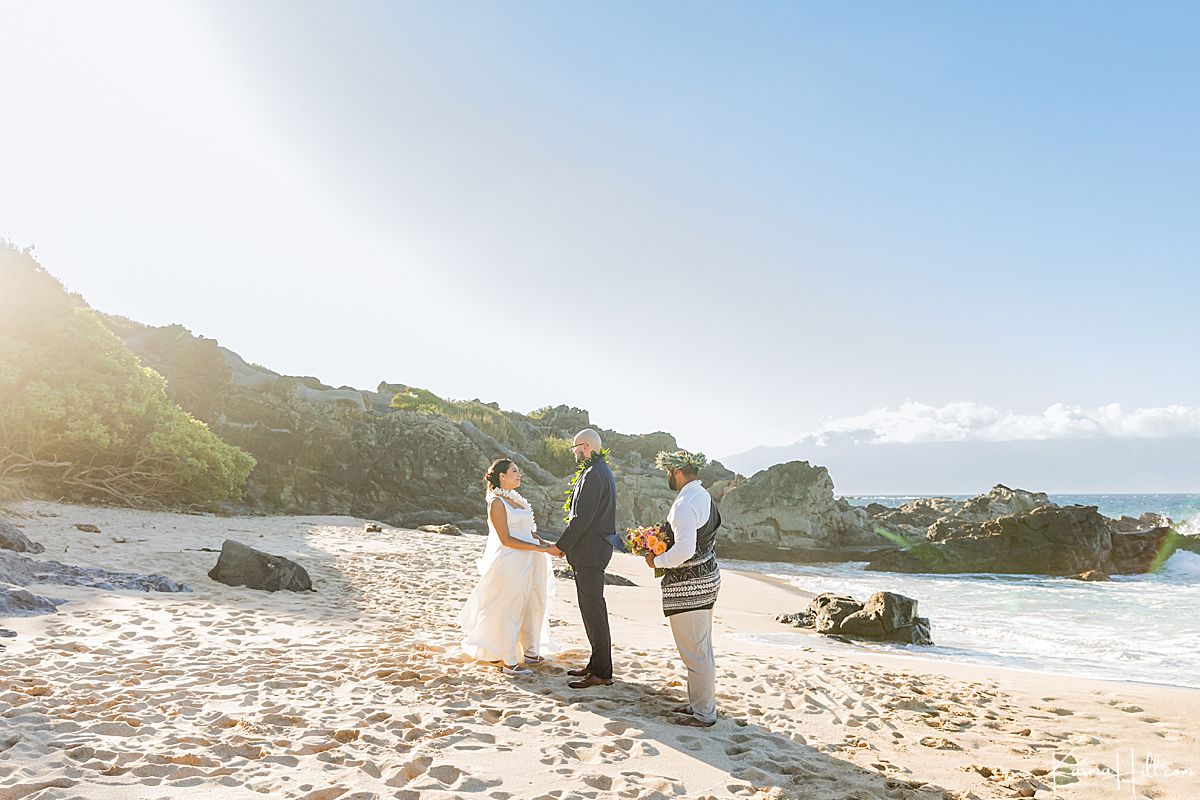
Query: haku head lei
[(681, 459)]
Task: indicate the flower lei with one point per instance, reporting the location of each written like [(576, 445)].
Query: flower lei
[(681, 459), (594, 458), (512, 495)]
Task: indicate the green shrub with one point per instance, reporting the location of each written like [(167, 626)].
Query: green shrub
[(491, 421), (80, 416), (554, 454)]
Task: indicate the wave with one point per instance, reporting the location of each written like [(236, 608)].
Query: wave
[(1183, 566)]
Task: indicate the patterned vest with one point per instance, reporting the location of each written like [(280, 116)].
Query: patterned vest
[(693, 585)]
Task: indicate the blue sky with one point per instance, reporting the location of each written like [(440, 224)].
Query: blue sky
[(738, 222)]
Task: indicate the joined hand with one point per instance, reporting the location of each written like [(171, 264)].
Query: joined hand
[(554, 551), (650, 561)]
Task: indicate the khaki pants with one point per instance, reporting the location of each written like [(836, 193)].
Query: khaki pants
[(693, 636)]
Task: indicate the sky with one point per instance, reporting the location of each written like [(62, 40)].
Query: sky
[(746, 224)]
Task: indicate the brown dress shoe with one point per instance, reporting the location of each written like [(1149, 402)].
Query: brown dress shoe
[(579, 673), (589, 682)]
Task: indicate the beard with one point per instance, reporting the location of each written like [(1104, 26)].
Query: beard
[(671, 481)]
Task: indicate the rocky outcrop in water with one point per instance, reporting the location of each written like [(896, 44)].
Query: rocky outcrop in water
[(239, 565), (938, 517), (789, 513), (1048, 540), (884, 617)]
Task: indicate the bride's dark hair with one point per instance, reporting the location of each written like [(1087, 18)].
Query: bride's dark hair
[(492, 476)]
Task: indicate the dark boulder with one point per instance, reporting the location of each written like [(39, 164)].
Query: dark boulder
[(564, 573), (829, 610), (239, 565), (886, 617), (12, 538)]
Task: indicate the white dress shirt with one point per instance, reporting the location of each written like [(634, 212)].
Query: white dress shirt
[(688, 514)]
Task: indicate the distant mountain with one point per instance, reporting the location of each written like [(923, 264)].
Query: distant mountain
[(968, 467)]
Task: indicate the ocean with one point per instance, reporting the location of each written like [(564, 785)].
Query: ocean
[(1135, 627)]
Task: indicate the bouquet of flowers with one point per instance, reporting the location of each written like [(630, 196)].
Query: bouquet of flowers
[(649, 540)]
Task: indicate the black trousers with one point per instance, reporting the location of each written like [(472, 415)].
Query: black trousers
[(589, 588)]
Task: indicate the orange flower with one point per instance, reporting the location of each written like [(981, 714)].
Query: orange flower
[(652, 541), (659, 548)]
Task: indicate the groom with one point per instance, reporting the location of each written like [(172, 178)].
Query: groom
[(587, 544), (691, 581)]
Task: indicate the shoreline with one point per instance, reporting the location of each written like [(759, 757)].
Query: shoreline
[(359, 691)]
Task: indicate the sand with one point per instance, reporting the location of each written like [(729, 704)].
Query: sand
[(359, 691)]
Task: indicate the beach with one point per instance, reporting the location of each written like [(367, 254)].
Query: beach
[(358, 690)]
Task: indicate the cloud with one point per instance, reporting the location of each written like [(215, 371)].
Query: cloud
[(961, 422)]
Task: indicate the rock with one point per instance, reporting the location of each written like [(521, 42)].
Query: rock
[(917, 518), (1045, 541), (609, 579), (23, 603), (1140, 551), (239, 565), (798, 619), (886, 616), (87, 528), (445, 530), (416, 519), (1190, 542), (789, 512), (830, 609), (24, 571), (372, 527), (12, 538), (1091, 575)]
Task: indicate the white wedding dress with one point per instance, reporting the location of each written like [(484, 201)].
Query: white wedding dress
[(507, 615)]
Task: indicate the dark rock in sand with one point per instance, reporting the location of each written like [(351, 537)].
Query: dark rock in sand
[(23, 603), (12, 538), (87, 527), (239, 565), (415, 519), (830, 609), (609, 578), (24, 571), (885, 617), (372, 527), (445, 530)]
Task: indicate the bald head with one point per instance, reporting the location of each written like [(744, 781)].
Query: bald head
[(587, 441)]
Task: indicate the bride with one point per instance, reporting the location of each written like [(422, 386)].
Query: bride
[(505, 619)]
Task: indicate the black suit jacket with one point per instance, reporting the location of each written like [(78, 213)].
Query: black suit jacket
[(592, 519)]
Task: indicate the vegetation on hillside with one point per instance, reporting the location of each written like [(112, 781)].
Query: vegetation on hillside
[(485, 416), (81, 418)]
